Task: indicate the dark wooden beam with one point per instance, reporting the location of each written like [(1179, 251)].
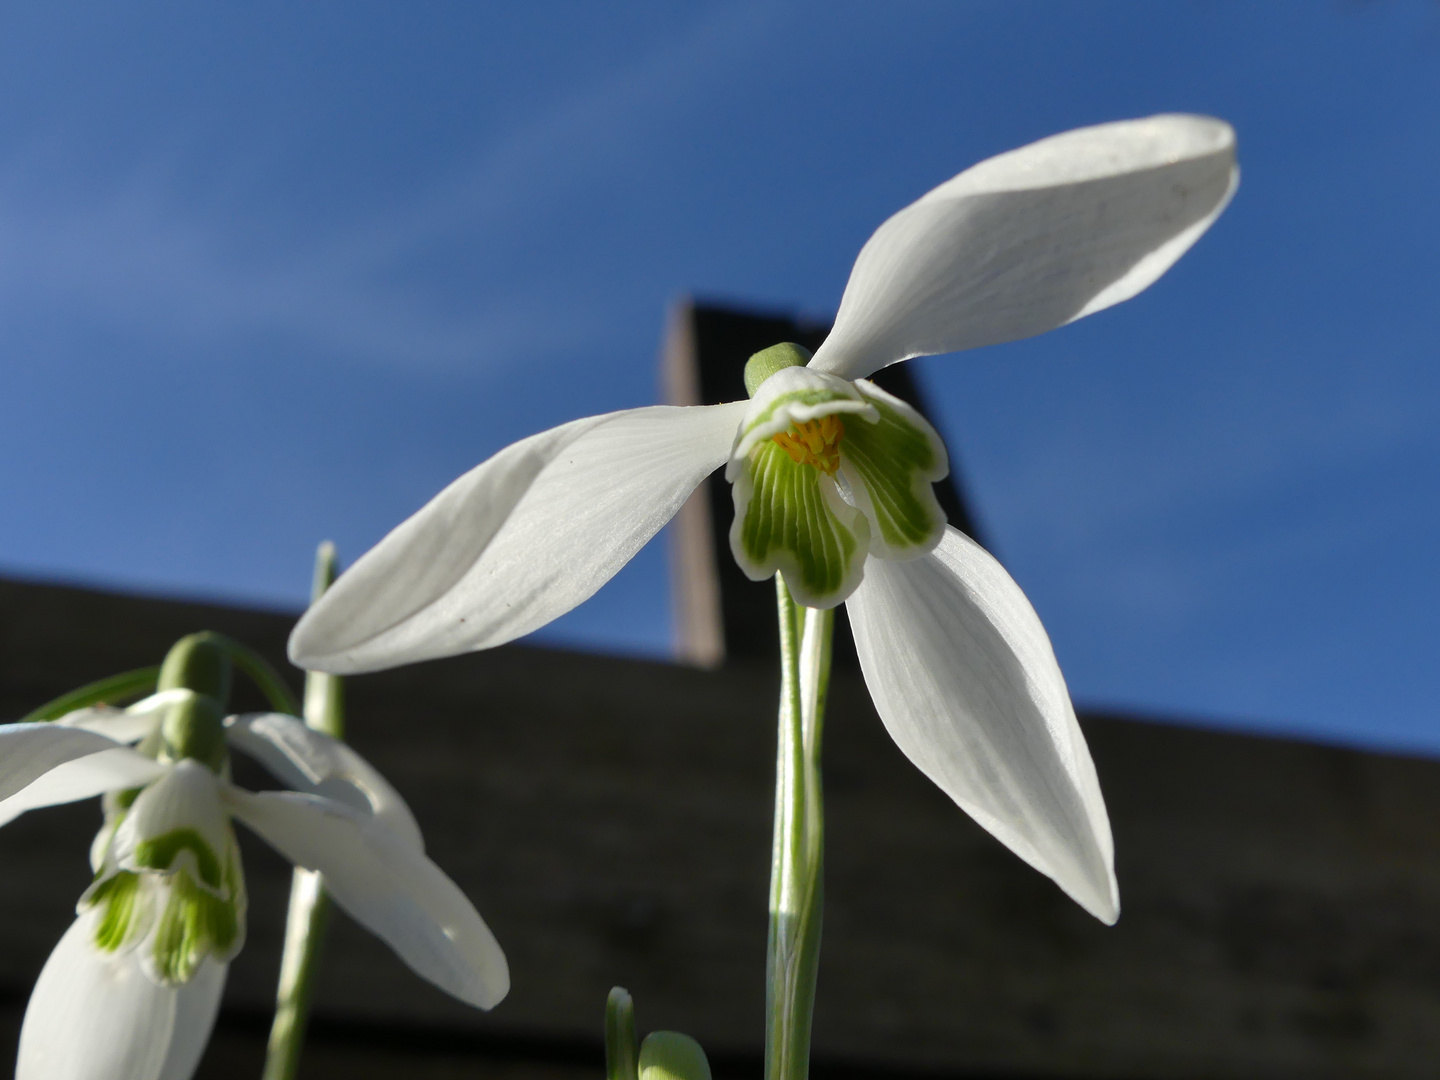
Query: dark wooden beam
[(611, 819)]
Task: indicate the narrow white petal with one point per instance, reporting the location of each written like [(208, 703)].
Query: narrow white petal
[(196, 1003), (1032, 239), (386, 885), (313, 762), (122, 725), (963, 675), (95, 1015), (29, 751), (82, 778), (517, 541)]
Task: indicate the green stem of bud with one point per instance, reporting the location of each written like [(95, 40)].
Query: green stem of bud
[(309, 906), (205, 663), (622, 1060), (797, 857), (263, 674)]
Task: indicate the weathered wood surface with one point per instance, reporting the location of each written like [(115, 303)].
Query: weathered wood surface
[(611, 819)]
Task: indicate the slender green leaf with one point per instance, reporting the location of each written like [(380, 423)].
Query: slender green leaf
[(115, 690)]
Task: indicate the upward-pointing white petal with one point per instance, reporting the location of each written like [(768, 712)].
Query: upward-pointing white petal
[(97, 1016), (387, 885), (1032, 239), (964, 678), (517, 541)]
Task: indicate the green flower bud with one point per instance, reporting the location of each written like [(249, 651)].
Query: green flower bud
[(198, 662), (767, 362), (668, 1055)]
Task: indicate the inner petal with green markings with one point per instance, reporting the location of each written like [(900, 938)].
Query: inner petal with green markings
[(892, 465), (826, 472), (169, 881)]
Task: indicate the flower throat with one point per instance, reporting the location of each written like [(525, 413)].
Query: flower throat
[(815, 443)]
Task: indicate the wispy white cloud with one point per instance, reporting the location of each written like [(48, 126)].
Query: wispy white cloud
[(135, 252)]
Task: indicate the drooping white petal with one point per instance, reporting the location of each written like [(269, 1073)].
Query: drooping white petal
[(517, 541), (196, 1003), (82, 778), (1032, 239), (96, 1016), (311, 761), (29, 751), (963, 675), (386, 885)]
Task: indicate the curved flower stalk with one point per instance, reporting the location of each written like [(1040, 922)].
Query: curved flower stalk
[(832, 483), (132, 988)]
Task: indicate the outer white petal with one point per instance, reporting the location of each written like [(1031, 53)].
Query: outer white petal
[(517, 541), (313, 762), (964, 678), (196, 1004), (1032, 239), (82, 778), (386, 885), (97, 1016), (29, 751)]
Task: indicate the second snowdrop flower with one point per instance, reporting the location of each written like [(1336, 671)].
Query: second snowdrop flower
[(133, 986)]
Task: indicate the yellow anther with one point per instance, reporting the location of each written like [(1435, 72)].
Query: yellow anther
[(815, 443)]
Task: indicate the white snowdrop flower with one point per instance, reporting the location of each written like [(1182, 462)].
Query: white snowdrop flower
[(133, 987), (832, 483)]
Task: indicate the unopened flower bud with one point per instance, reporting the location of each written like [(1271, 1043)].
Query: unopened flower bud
[(669, 1055)]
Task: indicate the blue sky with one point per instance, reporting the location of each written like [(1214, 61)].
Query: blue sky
[(271, 273)]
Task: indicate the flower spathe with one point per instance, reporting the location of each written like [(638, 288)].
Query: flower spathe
[(832, 483), (132, 988)]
